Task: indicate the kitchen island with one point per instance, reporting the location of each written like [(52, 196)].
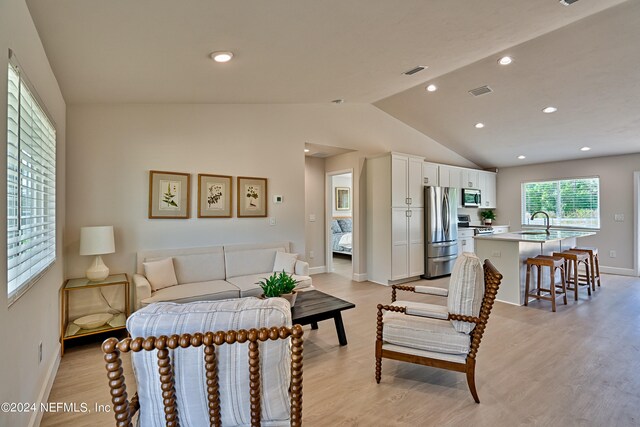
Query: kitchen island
[(509, 253)]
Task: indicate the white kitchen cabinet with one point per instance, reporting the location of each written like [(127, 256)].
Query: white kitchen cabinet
[(450, 176), (406, 181), (430, 174), (470, 178), (487, 186), (465, 240), (395, 218)]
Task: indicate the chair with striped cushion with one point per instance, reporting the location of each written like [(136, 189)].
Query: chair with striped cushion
[(229, 362), (445, 337)]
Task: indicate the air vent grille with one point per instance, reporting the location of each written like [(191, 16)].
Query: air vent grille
[(482, 90), (414, 70)]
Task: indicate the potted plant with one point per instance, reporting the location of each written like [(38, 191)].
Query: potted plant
[(488, 216), (279, 285)]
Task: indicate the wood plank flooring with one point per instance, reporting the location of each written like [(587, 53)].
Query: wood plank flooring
[(577, 367)]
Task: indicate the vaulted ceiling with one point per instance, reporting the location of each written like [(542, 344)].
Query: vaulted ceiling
[(581, 58)]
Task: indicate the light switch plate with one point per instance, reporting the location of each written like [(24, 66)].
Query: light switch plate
[(272, 220), (618, 217), (312, 217)]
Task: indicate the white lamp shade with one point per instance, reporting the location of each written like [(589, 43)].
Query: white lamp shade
[(97, 240)]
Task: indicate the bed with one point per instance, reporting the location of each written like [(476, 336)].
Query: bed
[(342, 235)]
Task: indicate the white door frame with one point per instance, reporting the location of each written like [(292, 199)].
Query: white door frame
[(636, 223), (329, 216)]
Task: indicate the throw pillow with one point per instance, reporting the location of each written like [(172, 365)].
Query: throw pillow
[(285, 261), (160, 274)]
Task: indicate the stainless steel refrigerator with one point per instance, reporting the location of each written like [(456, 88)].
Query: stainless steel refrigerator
[(441, 230)]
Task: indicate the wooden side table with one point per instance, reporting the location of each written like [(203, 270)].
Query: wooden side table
[(68, 330)]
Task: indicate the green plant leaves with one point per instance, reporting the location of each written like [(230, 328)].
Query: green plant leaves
[(277, 284)]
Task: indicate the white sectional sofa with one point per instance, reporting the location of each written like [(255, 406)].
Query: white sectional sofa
[(214, 273)]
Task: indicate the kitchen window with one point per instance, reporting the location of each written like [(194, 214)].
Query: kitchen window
[(570, 203), (31, 185)]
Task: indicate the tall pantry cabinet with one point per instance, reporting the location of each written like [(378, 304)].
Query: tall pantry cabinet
[(395, 218)]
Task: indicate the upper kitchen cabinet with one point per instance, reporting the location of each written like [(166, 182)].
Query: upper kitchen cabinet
[(449, 176), (406, 181), (430, 174), (487, 186), (470, 178)]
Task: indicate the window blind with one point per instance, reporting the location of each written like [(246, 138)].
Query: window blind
[(31, 186), (573, 203)]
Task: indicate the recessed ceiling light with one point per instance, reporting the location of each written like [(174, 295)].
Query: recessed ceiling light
[(585, 149), (432, 88), (479, 125), (221, 56), (306, 150), (549, 110), (522, 157), (505, 60)]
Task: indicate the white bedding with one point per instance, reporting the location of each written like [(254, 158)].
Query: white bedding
[(345, 240)]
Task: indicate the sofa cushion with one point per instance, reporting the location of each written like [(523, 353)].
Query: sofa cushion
[(335, 227), (160, 273), (424, 333), (248, 285), (199, 267), (242, 262), (199, 291), (285, 261), (466, 290), (233, 365), (346, 225)]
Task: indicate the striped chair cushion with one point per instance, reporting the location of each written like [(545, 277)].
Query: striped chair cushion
[(233, 365), (423, 333), (466, 290)]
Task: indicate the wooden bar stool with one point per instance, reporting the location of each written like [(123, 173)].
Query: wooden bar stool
[(554, 290), (594, 262), (572, 260)]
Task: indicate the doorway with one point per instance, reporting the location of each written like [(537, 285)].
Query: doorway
[(340, 240), (636, 215)]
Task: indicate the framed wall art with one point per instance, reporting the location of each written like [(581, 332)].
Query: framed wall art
[(169, 195), (343, 198), (214, 196), (252, 197)]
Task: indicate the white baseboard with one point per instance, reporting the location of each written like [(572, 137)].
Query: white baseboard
[(43, 396), (618, 271), (317, 270), (359, 277)]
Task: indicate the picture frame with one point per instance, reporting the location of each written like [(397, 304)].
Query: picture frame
[(252, 197), (214, 196), (169, 195), (343, 199)]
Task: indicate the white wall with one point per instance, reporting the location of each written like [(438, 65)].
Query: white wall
[(343, 181), (112, 148), (314, 205), (616, 196), (34, 317)]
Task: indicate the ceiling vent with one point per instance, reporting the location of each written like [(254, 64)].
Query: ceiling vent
[(480, 90), (414, 70)]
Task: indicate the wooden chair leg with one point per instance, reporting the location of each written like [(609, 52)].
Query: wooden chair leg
[(539, 273), (471, 379), (526, 289), (378, 369), (552, 288), (564, 284), (597, 268)]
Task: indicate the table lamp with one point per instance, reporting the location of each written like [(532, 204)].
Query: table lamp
[(97, 241)]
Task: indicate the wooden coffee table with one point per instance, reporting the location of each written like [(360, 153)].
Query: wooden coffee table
[(313, 306)]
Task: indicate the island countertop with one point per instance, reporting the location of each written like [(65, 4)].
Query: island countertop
[(535, 236)]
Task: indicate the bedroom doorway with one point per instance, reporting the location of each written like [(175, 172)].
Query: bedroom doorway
[(340, 236)]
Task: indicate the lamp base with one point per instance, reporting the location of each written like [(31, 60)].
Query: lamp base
[(98, 271)]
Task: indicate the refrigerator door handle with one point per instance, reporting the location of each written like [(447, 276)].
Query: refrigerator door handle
[(444, 258), (445, 213)]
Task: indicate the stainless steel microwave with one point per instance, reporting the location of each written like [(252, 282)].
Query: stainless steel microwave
[(471, 198)]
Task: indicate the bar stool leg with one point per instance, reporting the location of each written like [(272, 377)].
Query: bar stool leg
[(553, 288), (590, 283), (539, 273), (564, 284), (593, 271), (526, 289), (597, 267)]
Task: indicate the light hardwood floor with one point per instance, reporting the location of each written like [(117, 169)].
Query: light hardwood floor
[(577, 367)]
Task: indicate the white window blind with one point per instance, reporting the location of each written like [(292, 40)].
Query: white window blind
[(31, 186), (573, 203)]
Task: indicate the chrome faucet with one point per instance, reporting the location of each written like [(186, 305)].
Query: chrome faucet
[(546, 221)]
